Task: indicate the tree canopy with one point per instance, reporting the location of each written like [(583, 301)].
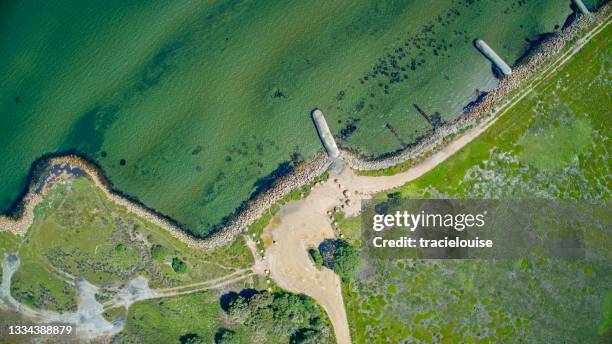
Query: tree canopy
[(347, 261), (295, 318)]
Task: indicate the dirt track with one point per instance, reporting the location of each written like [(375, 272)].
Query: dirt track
[(305, 223)]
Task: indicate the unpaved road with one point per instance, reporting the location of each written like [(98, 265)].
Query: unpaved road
[(88, 318), (296, 227), (302, 224)]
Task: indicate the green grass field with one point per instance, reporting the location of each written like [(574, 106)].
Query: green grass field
[(166, 320), (77, 231), (171, 320), (553, 144), (189, 105)]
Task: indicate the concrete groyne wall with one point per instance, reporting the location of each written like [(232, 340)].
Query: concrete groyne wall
[(325, 134), (581, 7), (303, 173), (489, 53), (486, 106)]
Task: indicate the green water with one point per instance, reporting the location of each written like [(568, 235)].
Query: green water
[(203, 99)]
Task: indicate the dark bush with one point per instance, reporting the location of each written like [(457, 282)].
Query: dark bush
[(178, 265)]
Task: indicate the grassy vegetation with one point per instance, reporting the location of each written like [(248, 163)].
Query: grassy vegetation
[(290, 318), (8, 244), (554, 144), (167, 320), (38, 286), (349, 228), (389, 171), (114, 313), (214, 97), (606, 316), (316, 257), (78, 232), (340, 256), (560, 126), (248, 317)]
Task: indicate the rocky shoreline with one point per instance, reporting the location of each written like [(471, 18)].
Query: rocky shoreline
[(486, 106), (56, 170)]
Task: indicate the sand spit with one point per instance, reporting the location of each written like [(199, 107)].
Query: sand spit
[(485, 107), (63, 169)]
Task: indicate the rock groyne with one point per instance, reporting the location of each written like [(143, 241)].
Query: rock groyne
[(487, 105), (56, 170)]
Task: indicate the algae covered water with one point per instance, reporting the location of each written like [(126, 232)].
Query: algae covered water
[(192, 106)]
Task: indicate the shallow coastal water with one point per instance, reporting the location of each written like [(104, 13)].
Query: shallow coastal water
[(190, 106)]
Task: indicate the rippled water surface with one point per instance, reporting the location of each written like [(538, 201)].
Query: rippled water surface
[(189, 105)]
